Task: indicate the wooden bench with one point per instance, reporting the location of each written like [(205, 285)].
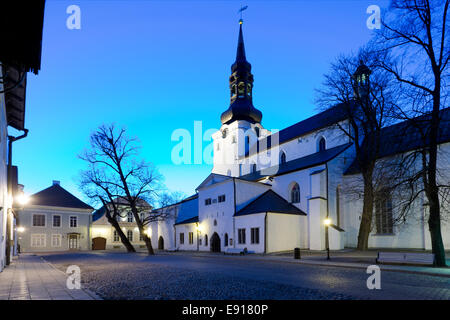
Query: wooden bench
[(414, 258)]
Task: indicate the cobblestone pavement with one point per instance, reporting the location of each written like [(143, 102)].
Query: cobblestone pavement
[(183, 276), (31, 278)]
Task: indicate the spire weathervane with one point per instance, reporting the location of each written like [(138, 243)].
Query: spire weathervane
[(240, 11)]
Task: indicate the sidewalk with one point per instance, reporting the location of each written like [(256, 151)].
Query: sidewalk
[(31, 278)]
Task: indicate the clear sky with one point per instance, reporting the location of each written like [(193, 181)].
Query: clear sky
[(158, 66)]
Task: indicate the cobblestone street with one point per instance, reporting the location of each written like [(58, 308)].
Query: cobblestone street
[(185, 276)]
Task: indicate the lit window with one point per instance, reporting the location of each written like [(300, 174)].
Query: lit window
[(191, 237), (116, 236), (130, 235)]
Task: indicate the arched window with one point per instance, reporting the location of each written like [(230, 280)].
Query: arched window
[(247, 145), (215, 222), (338, 206), (253, 167), (257, 131), (206, 240), (226, 240), (282, 157), (295, 193), (322, 144)]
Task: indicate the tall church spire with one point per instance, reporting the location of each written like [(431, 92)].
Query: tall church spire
[(241, 86)]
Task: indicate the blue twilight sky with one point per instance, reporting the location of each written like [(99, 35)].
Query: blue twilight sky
[(157, 66)]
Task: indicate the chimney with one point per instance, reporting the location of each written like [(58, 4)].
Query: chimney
[(56, 182)]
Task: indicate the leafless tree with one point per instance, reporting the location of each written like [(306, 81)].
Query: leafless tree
[(362, 92), (120, 180), (415, 35)]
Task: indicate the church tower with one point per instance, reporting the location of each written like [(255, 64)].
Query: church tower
[(241, 122)]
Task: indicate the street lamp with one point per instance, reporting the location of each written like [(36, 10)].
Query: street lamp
[(327, 223)]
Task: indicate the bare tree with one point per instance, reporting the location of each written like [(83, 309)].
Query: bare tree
[(132, 184), (97, 187), (361, 92), (415, 35)]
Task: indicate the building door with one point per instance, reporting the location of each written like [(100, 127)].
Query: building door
[(73, 241), (99, 243), (161, 243), (215, 243)]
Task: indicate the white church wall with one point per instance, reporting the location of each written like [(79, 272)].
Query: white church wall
[(185, 229), (217, 216), (248, 222), (283, 232)]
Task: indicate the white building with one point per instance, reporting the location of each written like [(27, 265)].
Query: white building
[(55, 220), (20, 52), (105, 236), (271, 192)]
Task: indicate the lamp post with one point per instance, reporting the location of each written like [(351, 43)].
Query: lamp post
[(327, 223)]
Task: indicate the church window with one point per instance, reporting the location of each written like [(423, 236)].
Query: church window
[(241, 236), (247, 145), (254, 235), (191, 237), (215, 222), (322, 144), (295, 193), (206, 240), (257, 131), (282, 157), (383, 214), (233, 90), (224, 133), (338, 206), (181, 238), (249, 89), (253, 167), (226, 240)]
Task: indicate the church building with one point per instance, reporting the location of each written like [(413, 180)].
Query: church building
[(272, 192)]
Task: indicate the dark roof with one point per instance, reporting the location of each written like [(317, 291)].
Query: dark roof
[(269, 201), (97, 214), (57, 196), (190, 220), (321, 120), (15, 83), (22, 42), (297, 164), (403, 137), (194, 196)]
